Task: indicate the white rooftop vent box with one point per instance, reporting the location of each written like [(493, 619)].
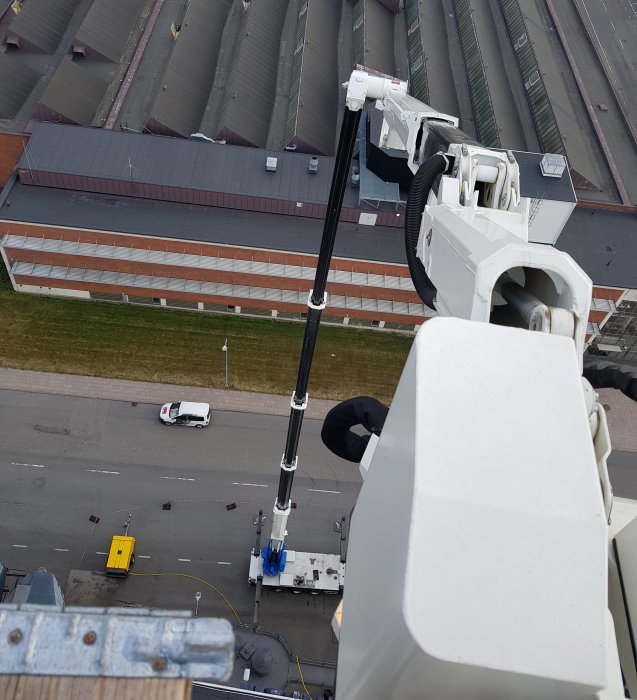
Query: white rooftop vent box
[(313, 166), (270, 164), (552, 165)]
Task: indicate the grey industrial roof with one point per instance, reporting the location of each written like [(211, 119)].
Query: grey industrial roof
[(74, 93), (377, 48), (314, 90), (433, 29), (510, 132), (604, 244), (42, 22), (185, 86), (250, 89), (16, 82), (582, 147), (57, 207), (107, 26), (159, 160)]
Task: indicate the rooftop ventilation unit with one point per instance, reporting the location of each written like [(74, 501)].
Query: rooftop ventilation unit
[(270, 164), (313, 166), (552, 165)]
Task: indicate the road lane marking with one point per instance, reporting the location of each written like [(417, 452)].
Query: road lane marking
[(323, 491), (143, 556), (227, 563), (177, 478), (59, 549), (21, 464), (21, 546), (99, 471), (241, 483), (183, 559), (103, 553)]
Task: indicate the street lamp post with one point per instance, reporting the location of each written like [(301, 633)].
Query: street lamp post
[(197, 599), (225, 352)]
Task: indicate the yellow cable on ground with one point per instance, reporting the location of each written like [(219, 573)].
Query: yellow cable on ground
[(205, 583), (301, 677)]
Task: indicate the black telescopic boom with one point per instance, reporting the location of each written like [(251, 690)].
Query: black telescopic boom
[(349, 130)]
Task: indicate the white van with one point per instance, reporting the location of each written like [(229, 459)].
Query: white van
[(185, 413)]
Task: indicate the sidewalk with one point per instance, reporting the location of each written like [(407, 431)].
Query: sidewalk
[(146, 392), (621, 412)]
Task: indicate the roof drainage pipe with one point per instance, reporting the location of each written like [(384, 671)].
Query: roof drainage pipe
[(419, 191)]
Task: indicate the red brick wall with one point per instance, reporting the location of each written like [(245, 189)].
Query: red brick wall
[(11, 147)]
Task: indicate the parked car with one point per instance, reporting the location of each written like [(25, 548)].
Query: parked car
[(185, 413)]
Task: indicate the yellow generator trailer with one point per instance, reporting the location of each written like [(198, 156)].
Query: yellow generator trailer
[(121, 556)]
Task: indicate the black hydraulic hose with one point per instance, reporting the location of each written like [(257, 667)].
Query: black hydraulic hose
[(604, 374), (419, 190)]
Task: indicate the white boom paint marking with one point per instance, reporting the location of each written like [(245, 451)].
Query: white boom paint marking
[(99, 471), (177, 478), (21, 464), (323, 491), (241, 483)]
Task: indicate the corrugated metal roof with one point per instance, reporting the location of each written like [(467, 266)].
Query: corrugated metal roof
[(187, 80), (250, 89), (159, 160), (73, 93), (107, 26), (42, 22), (374, 36), (312, 109), (560, 121), (149, 217), (432, 22), (511, 133), (16, 82)]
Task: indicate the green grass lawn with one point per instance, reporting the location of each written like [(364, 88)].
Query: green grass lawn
[(181, 347)]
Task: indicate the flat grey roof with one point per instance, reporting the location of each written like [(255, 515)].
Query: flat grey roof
[(160, 160), (74, 93), (42, 22), (107, 26), (186, 83), (604, 244), (56, 207)]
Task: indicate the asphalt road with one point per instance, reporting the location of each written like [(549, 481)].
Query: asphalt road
[(63, 459)]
